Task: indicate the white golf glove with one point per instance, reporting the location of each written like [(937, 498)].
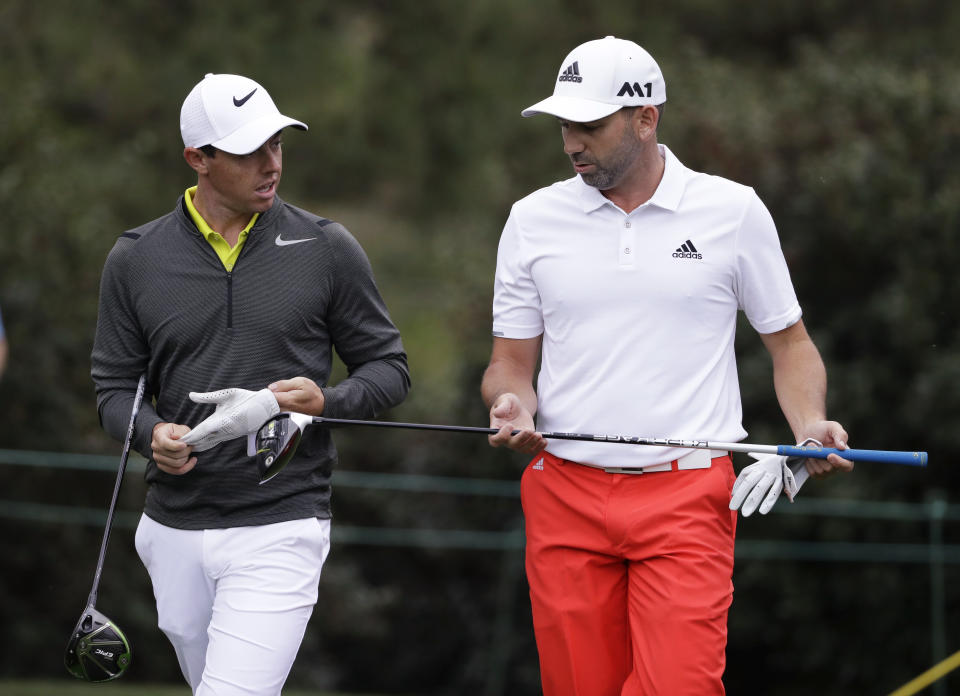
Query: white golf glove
[(239, 412), (761, 483)]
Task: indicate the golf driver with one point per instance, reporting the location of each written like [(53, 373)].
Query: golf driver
[(98, 651), (276, 442)]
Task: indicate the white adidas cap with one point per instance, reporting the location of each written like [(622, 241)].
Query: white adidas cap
[(232, 113), (600, 77)]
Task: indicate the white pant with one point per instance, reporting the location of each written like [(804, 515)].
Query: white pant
[(235, 602)]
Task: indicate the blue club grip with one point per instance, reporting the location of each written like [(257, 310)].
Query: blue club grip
[(856, 455)]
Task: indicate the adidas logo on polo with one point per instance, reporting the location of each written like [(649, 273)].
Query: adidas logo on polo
[(687, 251), (539, 464), (571, 74)]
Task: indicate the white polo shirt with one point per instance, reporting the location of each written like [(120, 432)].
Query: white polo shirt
[(638, 310)]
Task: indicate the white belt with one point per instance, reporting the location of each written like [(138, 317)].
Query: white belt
[(697, 459)]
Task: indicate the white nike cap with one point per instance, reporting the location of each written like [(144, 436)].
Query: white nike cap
[(232, 113), (600, 77)]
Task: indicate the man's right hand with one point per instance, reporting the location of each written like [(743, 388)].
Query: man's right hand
[(171, 455), (508, 414)]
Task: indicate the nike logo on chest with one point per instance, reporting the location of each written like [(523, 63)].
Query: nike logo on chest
[(286, 242)]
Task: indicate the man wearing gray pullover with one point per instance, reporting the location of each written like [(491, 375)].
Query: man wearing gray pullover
[(237, 289)]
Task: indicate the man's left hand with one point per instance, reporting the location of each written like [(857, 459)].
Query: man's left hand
[(829, 434), (299, 394)]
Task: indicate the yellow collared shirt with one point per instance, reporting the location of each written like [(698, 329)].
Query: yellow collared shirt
[(228, 255)]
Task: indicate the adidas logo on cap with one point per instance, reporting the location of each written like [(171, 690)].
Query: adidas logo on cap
[(571, 74)]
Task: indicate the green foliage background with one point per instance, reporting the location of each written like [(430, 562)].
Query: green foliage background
[(844, 116)]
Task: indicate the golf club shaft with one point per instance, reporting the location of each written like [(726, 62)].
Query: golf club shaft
[(855, 455), (138, 397)]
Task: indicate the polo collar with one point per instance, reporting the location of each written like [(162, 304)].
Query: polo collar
[(668, 193), (208, 232)]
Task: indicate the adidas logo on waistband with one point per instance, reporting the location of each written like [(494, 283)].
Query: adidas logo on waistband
[(571, 74), (687, 251)]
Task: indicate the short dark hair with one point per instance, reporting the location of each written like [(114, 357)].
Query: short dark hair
[(627, 110), (208, 150)]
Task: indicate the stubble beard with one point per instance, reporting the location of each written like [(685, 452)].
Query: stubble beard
[(610, 173)]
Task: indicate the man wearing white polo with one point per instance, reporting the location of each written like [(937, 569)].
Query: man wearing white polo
[(624, 282)]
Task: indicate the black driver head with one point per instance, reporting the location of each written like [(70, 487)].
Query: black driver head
[(275, 444), (98, 651)]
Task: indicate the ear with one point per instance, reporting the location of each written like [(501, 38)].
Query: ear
[(644, 122), (195, 159)]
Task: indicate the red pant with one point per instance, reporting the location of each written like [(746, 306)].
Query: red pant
[(630, 577)]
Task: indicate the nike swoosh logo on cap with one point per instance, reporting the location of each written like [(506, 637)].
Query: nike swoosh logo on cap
[(285, 242), (241, 102)]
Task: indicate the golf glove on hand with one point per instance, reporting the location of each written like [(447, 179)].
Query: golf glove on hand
[(239, 412), (761, 483)]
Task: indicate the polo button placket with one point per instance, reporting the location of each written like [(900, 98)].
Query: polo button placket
[(627, 245)]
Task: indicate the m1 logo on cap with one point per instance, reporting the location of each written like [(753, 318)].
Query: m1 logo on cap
[(636, 90)]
